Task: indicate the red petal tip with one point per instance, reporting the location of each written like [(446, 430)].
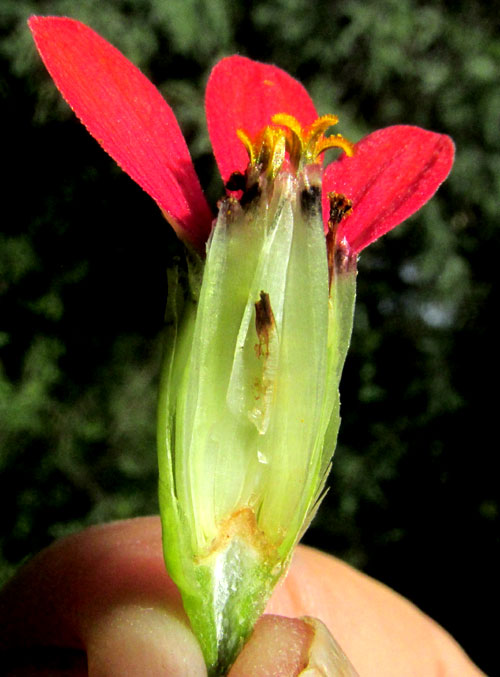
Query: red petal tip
[(128, 116), (393, 173)]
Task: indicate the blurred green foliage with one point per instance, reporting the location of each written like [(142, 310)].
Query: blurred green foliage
[(83, 253)]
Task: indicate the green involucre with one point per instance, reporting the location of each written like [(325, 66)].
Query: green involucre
[(249, 396)]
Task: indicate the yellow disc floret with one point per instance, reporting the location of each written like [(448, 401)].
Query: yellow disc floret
[(267, 149), (284, 135)]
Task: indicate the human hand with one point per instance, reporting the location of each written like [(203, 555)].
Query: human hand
[(100, 603)]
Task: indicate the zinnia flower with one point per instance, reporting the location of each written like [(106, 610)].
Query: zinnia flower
[(394, 171), (249, 405)]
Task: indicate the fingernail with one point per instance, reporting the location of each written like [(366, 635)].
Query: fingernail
[(326, 658)]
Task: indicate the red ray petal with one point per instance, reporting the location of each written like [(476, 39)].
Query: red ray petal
[(128, 116), (245, 94), (393, 173)]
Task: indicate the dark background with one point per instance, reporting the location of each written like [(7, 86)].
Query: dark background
[(83, 258)]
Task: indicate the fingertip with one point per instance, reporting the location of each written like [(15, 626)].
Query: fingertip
[(278, 646), (292, 647), (136, 640)]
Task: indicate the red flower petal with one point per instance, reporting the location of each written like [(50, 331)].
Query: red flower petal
[(128, 116), (245, 94), (394, 172)]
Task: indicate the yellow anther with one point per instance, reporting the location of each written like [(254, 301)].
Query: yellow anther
[(334, 141), (317, 142), (319, 126), (245, 140), (294, 135), (278, 155), (289, 122), (285, 134)]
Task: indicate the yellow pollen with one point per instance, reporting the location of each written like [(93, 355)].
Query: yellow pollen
[(285, 134)]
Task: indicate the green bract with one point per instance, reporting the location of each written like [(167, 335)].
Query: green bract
[(249, 407)]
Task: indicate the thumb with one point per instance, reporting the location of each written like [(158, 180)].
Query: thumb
[(137, 640), (291, 647)]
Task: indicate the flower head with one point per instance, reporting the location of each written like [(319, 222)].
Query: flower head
[(390, 174), (249, 404)]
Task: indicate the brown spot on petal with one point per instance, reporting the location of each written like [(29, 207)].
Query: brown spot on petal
[(338, 253), (340, 207)]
